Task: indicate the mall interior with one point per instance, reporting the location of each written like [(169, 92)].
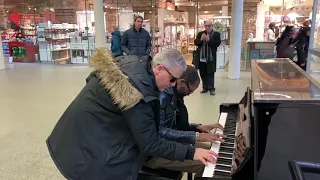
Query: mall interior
[(45, 60)]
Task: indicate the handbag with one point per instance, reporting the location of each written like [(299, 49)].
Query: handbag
[(289, 52)]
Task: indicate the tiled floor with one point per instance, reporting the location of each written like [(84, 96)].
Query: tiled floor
[(33, 96)]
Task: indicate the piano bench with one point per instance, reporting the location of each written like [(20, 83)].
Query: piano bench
[(159, 174)]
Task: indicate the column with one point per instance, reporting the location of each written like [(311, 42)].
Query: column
[(224, 10), (235, 39), (261, 9), (312, 31), (2, 65), (99, 24)]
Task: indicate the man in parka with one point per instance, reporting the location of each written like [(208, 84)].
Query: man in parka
[(111, 127)]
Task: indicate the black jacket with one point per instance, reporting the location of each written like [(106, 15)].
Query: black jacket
[(136, 42), (213, 43), (302, 46), (112, 125), (174, 123)]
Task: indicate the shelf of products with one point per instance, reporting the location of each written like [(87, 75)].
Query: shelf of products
[(175, 36), (54, 42)]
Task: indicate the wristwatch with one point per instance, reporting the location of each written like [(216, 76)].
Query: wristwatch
[(197, 136)]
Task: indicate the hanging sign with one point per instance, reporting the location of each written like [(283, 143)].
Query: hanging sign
[(288, 4)]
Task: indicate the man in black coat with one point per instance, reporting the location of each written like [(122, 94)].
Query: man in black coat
[(136, 40), (174, 123), (110, 128), (205, 58)]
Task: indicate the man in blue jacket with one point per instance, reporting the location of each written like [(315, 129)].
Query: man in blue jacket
[(174, 123), (115, 43), (136, 40)]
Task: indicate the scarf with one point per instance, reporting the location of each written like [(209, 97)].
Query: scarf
[(205, 52)]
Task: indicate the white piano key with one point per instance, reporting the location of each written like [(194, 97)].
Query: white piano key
[(209, 169)]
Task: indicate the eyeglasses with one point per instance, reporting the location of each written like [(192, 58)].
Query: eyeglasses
[(207, 25), (173, 79), (190, 90)]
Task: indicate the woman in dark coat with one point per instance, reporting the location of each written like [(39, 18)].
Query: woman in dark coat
[(302, 46), (284, 41)]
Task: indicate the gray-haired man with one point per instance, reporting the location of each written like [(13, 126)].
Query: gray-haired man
[(110, 128), (205, 58)]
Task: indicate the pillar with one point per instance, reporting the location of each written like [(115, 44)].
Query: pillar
[(224, 10), (312, 31), (235, 38), (261, 9), (2, 65), (99, 23)]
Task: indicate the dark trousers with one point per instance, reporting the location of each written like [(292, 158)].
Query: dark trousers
[(207, 78)]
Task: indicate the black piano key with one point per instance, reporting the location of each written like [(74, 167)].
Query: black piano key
[(230, 137), (230, 132), (224, 168), (230, 146), (221, 155), (218, 173), (229, 140), (229, 150), (228, 143), (224, 161), (229, 129)]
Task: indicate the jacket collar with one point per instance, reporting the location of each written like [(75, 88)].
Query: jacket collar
[(117, 84), (134, 29)]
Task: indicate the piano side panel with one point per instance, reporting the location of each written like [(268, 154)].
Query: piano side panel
[(286, 134)]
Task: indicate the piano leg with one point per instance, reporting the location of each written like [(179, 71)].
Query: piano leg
[(264, 116)]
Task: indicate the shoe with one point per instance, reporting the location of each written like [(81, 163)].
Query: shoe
[(204, 91), (212, 93)]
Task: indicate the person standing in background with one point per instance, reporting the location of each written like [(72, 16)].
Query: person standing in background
[(271, 33), (115, 42), (284, 41), (302, 45), (205, 58), (136, 40)]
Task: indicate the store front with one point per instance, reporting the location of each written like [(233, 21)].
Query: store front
[(63, 32), (272, 18)]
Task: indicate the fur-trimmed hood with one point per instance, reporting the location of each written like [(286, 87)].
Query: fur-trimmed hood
[(114, 81)]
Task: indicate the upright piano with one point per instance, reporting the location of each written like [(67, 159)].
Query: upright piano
[(277, 121)]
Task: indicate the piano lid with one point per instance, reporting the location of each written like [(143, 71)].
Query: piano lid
[(281, 81)]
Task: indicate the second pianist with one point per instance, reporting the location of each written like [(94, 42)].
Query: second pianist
[(174, 124)]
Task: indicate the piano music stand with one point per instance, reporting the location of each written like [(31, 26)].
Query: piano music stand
[(297, 168)]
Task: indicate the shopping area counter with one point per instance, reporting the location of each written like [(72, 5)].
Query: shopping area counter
[(258, 50)]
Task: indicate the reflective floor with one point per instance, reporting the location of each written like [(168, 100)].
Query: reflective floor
[(33, 96)]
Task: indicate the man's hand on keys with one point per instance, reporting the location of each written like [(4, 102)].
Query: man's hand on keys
[(205, 156), (209, 137)]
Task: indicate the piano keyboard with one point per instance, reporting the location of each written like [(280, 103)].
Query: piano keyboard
[(225, 150)]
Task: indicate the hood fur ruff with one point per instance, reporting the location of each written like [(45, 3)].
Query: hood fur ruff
[(114, 81)]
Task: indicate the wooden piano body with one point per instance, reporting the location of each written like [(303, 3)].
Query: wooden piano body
[(283, 122)]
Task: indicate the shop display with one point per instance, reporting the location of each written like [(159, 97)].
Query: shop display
[(55, 45), (17, 47), (172, 19), (174, 30)]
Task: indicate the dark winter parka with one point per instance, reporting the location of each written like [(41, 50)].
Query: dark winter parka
[(111, 127)]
